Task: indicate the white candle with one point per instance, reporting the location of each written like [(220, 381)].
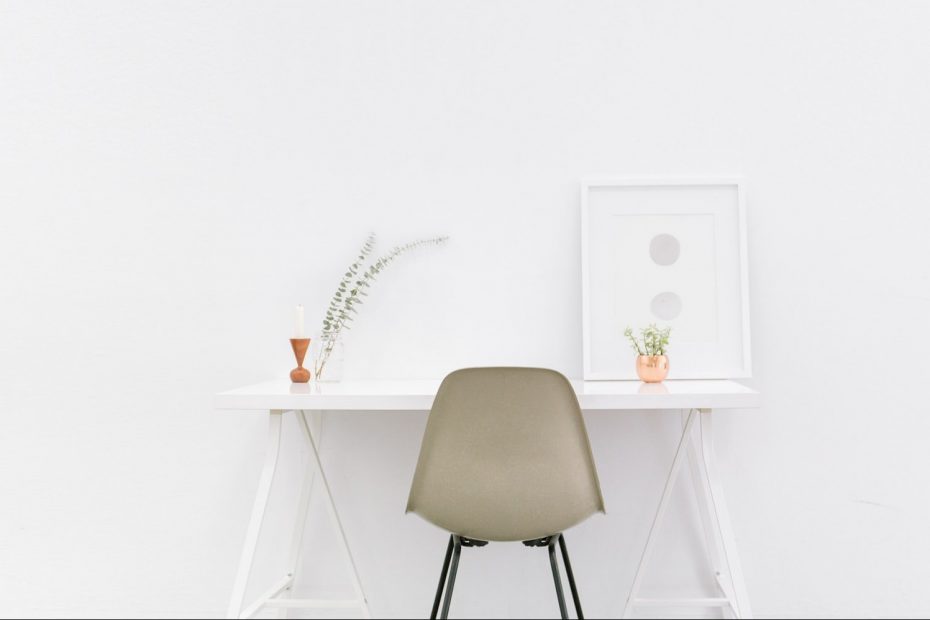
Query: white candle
[(299, 322)]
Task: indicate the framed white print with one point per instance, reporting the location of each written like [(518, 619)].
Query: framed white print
[(669, 252)]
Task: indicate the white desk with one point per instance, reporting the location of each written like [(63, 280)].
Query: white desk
[(699, 398)]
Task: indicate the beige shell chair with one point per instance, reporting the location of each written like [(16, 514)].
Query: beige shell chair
[(505, 457)]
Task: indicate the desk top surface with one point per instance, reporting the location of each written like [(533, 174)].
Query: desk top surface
[(408, 395)]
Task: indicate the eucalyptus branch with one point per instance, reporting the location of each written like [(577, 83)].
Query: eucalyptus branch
[(352, 288), (337, 302), (344, 303)]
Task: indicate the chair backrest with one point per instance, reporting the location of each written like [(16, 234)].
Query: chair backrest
[(505, 456)]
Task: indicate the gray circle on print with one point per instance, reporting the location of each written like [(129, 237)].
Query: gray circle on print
[(666, 306), (664, 249)]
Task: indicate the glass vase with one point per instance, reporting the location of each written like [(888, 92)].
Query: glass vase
[(328, 357)]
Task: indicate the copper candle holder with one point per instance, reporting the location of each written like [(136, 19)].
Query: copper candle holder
[(300, 346)]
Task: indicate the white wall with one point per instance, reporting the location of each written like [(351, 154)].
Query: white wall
[(175, 176)]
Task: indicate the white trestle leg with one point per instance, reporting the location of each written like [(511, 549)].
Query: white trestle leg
[(280, 594), (362, 601), (721, 519), (300, 526), (258, 514), (697, 444)]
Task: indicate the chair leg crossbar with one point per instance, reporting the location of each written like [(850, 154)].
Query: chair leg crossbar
[(450, 567)]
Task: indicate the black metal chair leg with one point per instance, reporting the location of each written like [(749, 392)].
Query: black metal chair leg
[(442, 580), (554, 563), (453, 571), (571, 577)]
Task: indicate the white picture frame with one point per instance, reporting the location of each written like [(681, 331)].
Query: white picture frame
[(630, 272)]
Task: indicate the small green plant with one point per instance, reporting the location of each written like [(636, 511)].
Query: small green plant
[(652, 340)]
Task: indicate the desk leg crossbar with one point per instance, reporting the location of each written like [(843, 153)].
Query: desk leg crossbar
[(278, 596), (697, 445)]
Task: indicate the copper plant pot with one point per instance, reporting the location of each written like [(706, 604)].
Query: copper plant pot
[(652, 368)]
